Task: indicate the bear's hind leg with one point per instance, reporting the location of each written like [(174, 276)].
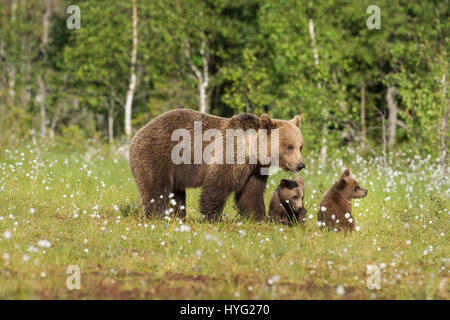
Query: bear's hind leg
[(155, 200)]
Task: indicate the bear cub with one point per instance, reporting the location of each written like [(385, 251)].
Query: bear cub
[(286, 205), (335, 210)]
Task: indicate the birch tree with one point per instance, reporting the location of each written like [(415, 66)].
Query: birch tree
[(133, 78)]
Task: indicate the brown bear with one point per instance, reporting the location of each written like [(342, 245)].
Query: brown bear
[(286, 205), (335, 210), (162, 181)]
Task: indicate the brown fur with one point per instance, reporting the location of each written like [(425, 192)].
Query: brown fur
[(338, 202), (286, 205), (156, 176)]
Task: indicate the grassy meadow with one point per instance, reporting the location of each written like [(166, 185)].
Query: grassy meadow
[(60, 207)]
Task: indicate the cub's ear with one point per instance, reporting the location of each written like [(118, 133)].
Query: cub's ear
[(300, 181), (267, 122), (297, 121), (284, 183), (346, 173), (340, 184)]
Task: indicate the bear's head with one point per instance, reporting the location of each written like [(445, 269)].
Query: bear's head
[(348, 187), (292, 193), (290, 142)]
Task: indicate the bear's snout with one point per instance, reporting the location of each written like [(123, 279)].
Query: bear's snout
[(300, 166)]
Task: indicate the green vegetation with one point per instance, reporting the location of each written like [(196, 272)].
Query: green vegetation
[(85, 204), (314, 58)]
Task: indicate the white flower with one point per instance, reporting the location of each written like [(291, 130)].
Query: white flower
[(323, 209), (340, 290), (347, 215), (350, 220), (182, 207), (44, 243), (185, 228), (7, 234), (173, 202), (153, 200), (287, 201), (357, 228), (32, 210), (274, 280), (171, 195), (333, 216)]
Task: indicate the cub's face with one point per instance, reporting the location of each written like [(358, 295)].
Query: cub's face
[(292, 193), (349, 187), (290, 142)]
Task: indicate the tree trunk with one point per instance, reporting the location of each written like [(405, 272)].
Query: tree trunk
[(443, 129), (111, 122), (132, 86), (363, 136), (393, 113), (41, 96), (202, 95), (323, 149), (40, 100)]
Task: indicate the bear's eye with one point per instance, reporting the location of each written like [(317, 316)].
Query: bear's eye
[(295, 198), (301, 147), (356, 188), (290, 147)]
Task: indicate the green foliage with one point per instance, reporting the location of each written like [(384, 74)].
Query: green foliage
[(261, 60)]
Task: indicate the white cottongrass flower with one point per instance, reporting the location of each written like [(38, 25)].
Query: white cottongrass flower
[(340, 290), (44, 243), (173, 202), (32, 210), (273, 280), (171, 195), (333, 216), (153, 200), (323, 209), (185, 228), (357, 228), (7, 234), (347, 215)]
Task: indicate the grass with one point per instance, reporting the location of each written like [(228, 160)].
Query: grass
[(85, 205)]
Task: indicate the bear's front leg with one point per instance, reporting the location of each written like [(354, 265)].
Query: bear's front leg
[(250, 201), (212, 202)]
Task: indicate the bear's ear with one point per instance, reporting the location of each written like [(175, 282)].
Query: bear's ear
[(300, 181), (296, 121), (346, 173), (340, 184), (267, 122), (284, 183)]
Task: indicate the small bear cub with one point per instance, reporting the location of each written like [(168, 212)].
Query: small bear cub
[(286, 205), (335, 210)]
